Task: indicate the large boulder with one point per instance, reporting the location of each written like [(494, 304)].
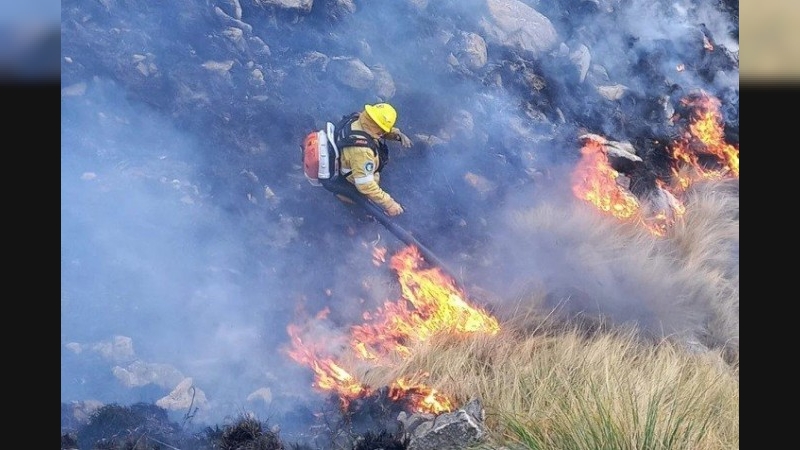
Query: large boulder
[(513, 24)]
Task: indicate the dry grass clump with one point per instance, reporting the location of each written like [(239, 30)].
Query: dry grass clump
[(574, 262), (706, 243), (248, 433), (566, 389)]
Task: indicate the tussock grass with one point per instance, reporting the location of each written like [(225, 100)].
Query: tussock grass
[(706, 243), (603, 361), (572, 390), (577, 263)]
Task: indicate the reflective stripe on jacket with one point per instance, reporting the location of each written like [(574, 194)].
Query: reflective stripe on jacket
[(360, 166)]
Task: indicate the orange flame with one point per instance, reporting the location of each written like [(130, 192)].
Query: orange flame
[(594, 180), (705, 136), (431, 304), (426, 399), (328, 374)]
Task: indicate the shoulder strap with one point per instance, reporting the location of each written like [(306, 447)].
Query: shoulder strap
[(346, 136)]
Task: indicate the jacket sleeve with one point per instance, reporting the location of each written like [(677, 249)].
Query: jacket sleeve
[(393, 135), (363, 164)]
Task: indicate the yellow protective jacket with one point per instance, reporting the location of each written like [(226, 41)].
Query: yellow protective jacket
[(360, 165)]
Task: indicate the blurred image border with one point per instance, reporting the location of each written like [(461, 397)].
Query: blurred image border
[(31, 54)]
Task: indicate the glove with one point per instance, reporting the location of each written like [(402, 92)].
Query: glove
[(394, 209), (404, 140)]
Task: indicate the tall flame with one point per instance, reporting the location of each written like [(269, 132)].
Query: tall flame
[(705, 136), (430, 303)]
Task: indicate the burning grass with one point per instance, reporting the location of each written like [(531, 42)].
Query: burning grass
[(618, 338), (649, 360)]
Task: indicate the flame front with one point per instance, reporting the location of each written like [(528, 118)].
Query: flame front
[(430, 303), (328, 375), (705, 136), (595, 181)]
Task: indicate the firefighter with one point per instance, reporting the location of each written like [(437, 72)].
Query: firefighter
[(361, 138)]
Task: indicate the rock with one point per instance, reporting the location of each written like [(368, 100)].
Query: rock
[(351, 72), (315, 60), (236, 8), (513, 24), (140, 373), (184, 396), (614, 92), (614, 148), (411, 422), (449, 431), (231, 21), (119, 349), (481, 184), (383, 83), (236, 36), (221, 67), (258, 46), (583, 59), (472, 51), (300, 5), (257, 77), (82, 410)]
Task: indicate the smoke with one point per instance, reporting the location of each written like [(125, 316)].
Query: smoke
[(190, 239), (147, 256)]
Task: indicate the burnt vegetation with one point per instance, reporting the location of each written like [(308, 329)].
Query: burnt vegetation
[(366, 424)]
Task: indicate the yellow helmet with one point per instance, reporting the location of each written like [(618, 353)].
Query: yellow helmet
[(383, 114)]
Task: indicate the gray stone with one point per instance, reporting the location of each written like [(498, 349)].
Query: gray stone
[(449, 431), (300, 5), (351, 72), (473, 53), (516, 25)]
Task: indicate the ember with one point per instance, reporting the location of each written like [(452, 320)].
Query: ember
[(431, 303), (379, 255)]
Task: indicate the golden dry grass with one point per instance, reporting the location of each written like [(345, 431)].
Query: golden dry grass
[(581, 380), (564, 383), (577, 263), (706, 243)]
